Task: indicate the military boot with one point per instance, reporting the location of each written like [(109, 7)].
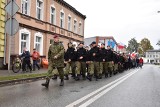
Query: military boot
[(96, 78), (54, 77), (46, 84), (100, 76), (89, 77), (110, 73), (62, 82), (66, 77), (84, 77), (106, 75), (77, 77)]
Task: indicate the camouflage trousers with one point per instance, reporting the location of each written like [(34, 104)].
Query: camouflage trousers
[(109, 67), (93, 68), (115, 67), (80, 67), (70, 68), (103, 67), (51, 68)]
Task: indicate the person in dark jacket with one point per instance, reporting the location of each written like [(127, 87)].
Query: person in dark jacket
[(26, 60), (102, 54), (116, 59), (81, 62), (70, 60), (110, 61), (94, 63), (87, 57)]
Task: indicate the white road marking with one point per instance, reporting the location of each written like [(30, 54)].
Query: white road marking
[(96, 91), (105, 91)]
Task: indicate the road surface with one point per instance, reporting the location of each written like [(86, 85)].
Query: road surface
[(132, 88)]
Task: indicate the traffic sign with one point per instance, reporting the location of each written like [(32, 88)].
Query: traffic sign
[(11, 8), (12, 29)]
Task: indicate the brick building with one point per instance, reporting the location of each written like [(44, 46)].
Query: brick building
[(40, 19)]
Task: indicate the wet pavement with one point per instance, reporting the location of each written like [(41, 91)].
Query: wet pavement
[(132, 88)]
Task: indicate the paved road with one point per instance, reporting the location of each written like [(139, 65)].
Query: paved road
[(133, 88)]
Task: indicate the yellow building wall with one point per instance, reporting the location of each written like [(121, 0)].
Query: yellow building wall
[(2, 25)]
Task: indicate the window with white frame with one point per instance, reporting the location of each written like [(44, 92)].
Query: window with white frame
[(80, 28), (25, 7), (53, 15), (24, 41), (39, 9), (69, 23), (38, 42), (62, 20), (75, 26)]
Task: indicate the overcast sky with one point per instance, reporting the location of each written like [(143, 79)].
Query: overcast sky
[(122, 19)]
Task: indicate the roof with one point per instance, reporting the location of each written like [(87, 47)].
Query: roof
[(71, 8), (153, 51)]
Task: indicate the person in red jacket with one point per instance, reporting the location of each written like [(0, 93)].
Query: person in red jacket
[(35, 58), (141, 62)]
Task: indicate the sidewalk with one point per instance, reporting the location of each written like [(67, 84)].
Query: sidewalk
[(11, 73)]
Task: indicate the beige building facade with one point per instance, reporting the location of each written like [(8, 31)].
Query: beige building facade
[(41, 19)]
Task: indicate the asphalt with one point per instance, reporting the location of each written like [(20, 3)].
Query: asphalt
[(139, 90)]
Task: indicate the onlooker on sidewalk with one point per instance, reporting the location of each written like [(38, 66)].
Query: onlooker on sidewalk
[(35, 58), (26, 60)]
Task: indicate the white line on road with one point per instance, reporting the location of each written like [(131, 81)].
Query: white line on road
[(105, 91), (96, 91)]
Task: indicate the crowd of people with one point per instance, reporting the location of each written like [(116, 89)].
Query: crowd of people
[(25, 59), (86, 62)]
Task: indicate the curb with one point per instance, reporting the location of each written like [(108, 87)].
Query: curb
[(19, 81)]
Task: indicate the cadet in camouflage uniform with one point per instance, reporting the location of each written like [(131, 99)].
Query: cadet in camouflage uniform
[(94, 61), (69, 59), (116, 58), (109, 61), (81, 62), (56, 60), (103, 53)]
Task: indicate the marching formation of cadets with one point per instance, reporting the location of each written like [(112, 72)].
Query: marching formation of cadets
[(95, 62), (91, 62)]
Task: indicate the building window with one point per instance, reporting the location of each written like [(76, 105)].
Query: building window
[(62, 20), (53, 15), (150, 55), (153, 56), (80, 28), (25, 7), (69, 23), (24, 40), (38, 42), (75, 26), (39, 9)]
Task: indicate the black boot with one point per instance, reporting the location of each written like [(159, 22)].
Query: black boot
[(89, 77), (62, 82), (106, 75), (46, 84), (110, 74), (96, 78), (54, 77), (77, 78), (66, 77), (84, 77), (100, 76)]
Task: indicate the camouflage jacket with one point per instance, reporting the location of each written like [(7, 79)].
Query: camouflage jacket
[(56, 49)]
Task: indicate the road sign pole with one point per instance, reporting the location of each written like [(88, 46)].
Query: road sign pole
[(11, 27)]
